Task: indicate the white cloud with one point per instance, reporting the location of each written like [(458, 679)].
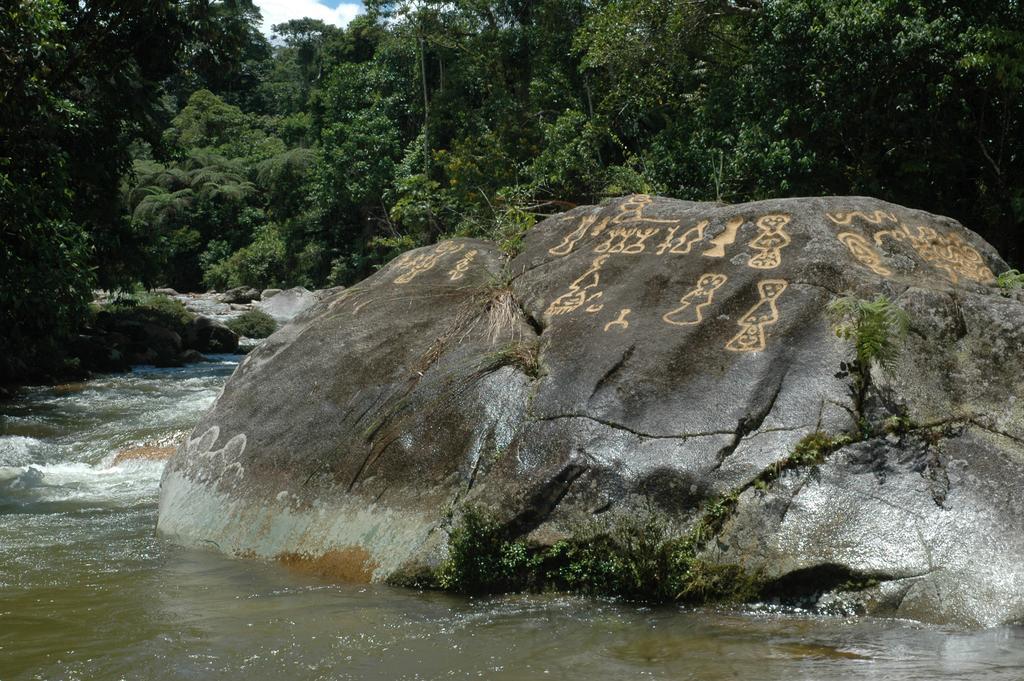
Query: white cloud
[(280, 11)]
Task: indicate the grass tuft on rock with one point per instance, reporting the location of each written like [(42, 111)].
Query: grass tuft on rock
[(253, 324), (524, 355)]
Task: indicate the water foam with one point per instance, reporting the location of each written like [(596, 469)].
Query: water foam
[(129, 483), (18, 450)]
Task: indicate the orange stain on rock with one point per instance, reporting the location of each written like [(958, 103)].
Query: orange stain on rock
[(350, 564)]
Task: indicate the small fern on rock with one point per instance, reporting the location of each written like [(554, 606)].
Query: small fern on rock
[(875, 327), (1010, 280)]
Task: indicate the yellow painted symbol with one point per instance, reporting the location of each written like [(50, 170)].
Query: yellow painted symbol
[(459, 271), (630, 212), (864, 252), (620, 320), (629, 215), (574, 236), (344, 297), (411, 266), (946, 252), (690, 310), (446, 247), (626, 240), (616, 240), (580, 291), (726, 238), (637, 245), (765, 312), (769, 242), (682, 244), (875, 218)]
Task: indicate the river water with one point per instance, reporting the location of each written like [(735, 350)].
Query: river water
[(88, 591)]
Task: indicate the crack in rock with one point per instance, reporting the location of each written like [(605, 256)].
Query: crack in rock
[(748, 424)]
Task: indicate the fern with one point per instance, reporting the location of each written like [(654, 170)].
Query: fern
[(157, 206), (875, 327), (293, 161), (1010, 280)]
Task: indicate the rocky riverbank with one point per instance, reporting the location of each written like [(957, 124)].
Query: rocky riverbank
[(167, 328)]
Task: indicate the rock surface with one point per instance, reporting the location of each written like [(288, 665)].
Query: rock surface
[(209, 335), (642, 357), (286, 305)]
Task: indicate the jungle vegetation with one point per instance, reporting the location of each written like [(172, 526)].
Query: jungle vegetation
[(171, 143)]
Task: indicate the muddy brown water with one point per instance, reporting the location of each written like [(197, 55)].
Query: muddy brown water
[(88, 591)]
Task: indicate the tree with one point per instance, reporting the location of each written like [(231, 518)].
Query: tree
[(225, 53), (79, 82)]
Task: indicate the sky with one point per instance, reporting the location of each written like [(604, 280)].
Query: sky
[(328, 11)]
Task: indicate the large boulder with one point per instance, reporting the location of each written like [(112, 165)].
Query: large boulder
[(644, 357), (204, 334), (145, 342), (98, 352), (239, 295), (286, 305)]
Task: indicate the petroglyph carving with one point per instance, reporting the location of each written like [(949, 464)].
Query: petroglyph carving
[(864, 252), (571, 239), (682, 244), (446, 247), (203, 446), (580, 291), (726, 238), (459, 271), (690, 310), (630, 212), (619, 321), (411, 266), (765, 312), (342, 298), (627, 240), (769, 242), (616, 240), (875, 218), (642, 235), (946, 252)]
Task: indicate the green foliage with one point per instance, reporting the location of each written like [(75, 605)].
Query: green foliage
[(45, 286), (482, 560), (1010, 280), (78, 82), (253, 324), (875, 327), (635, 559), (150, 308), (898, 424), (261, 264), (813, 449)]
